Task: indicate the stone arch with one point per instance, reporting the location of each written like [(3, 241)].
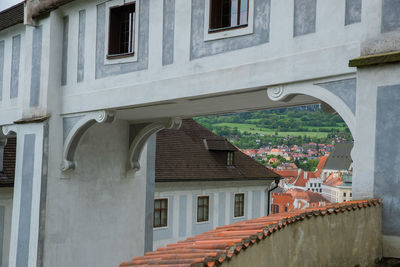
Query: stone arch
[(331, 95)]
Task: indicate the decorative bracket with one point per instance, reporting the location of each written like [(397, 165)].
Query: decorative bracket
[(279, 93), (75, 127), (140, 139)]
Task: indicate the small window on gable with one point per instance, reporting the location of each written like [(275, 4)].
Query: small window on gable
[(121, 37), (227, 14), (230, 158)]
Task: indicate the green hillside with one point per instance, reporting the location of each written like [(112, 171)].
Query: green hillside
[(276, 127)]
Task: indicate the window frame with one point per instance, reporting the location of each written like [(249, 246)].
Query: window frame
[(240, 215), (160, 210), (230, 158), (208, 209), (229, 28), (231, 31), (111, 59)]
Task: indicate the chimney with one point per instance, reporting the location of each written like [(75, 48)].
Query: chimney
[(305, 175)]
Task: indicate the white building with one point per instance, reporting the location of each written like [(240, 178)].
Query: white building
[(202, 181), (84, 97)]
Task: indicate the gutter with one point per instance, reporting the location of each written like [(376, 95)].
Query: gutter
[(269, 194)]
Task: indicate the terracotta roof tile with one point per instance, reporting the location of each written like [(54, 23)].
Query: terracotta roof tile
[(214, 247), (321, 165)]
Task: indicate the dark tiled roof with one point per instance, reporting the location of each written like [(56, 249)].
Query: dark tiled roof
[(182, 156), (217, 246), (8, 173), (12, 16), (340, 158)]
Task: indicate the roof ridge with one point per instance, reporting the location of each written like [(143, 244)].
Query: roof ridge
[(214, 247)]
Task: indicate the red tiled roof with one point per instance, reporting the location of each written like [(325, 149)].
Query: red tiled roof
[(320, 165), (333, 180), (302, 180), (217, 246)]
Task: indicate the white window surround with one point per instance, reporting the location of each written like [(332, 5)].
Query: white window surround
[(229, 33), (162, 227), (129, 59), (197, 205), (244, 206)]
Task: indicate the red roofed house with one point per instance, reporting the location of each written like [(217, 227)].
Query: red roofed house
[(281, 202), (202, 181), (307, 199), (338, 188), (320, 166)]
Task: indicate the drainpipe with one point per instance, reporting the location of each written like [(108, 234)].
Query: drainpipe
[(276, 181)]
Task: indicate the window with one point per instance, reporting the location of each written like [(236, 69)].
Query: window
[(239, 205), (160, 213), (285, 209), (310, 184), (313, 204), (319, 185), (275, 208), (230, 158), (202, 209), (122, 31), (351, 194), (320, 190), (344, 194), (226, 14)]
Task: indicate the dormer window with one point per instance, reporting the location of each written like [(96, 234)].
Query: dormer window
[(121, 37), (228, 14), (230, 158)]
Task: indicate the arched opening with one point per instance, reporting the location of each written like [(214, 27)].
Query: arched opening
[(299, 149)]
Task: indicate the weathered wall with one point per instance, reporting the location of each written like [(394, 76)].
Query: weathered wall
[(95, 215), (344, 239), (6, 199)]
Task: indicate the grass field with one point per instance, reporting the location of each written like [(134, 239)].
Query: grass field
[(242, 127)]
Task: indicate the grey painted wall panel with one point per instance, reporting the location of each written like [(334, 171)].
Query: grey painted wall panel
[(256, 204), (260, 35), (353, 12), (2, 214), (345, 90), (221, 208), (182, 215), (36, 66), (150, 184), (64, 61), (81, 46), (305, 14), (390, 15), (166, 232), (387, 157), (15, 61), (26, 200), (201, 227), (168, 32), (142, 50), (1, 68)]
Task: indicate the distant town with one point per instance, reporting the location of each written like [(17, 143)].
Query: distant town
[(309, 149)]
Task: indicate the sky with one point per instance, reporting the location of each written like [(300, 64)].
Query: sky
[(7, 3)]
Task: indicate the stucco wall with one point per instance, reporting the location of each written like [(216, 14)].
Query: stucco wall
[(95, 215), (345, 239)]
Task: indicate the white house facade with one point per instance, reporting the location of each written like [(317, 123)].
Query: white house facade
[(84, 107)]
